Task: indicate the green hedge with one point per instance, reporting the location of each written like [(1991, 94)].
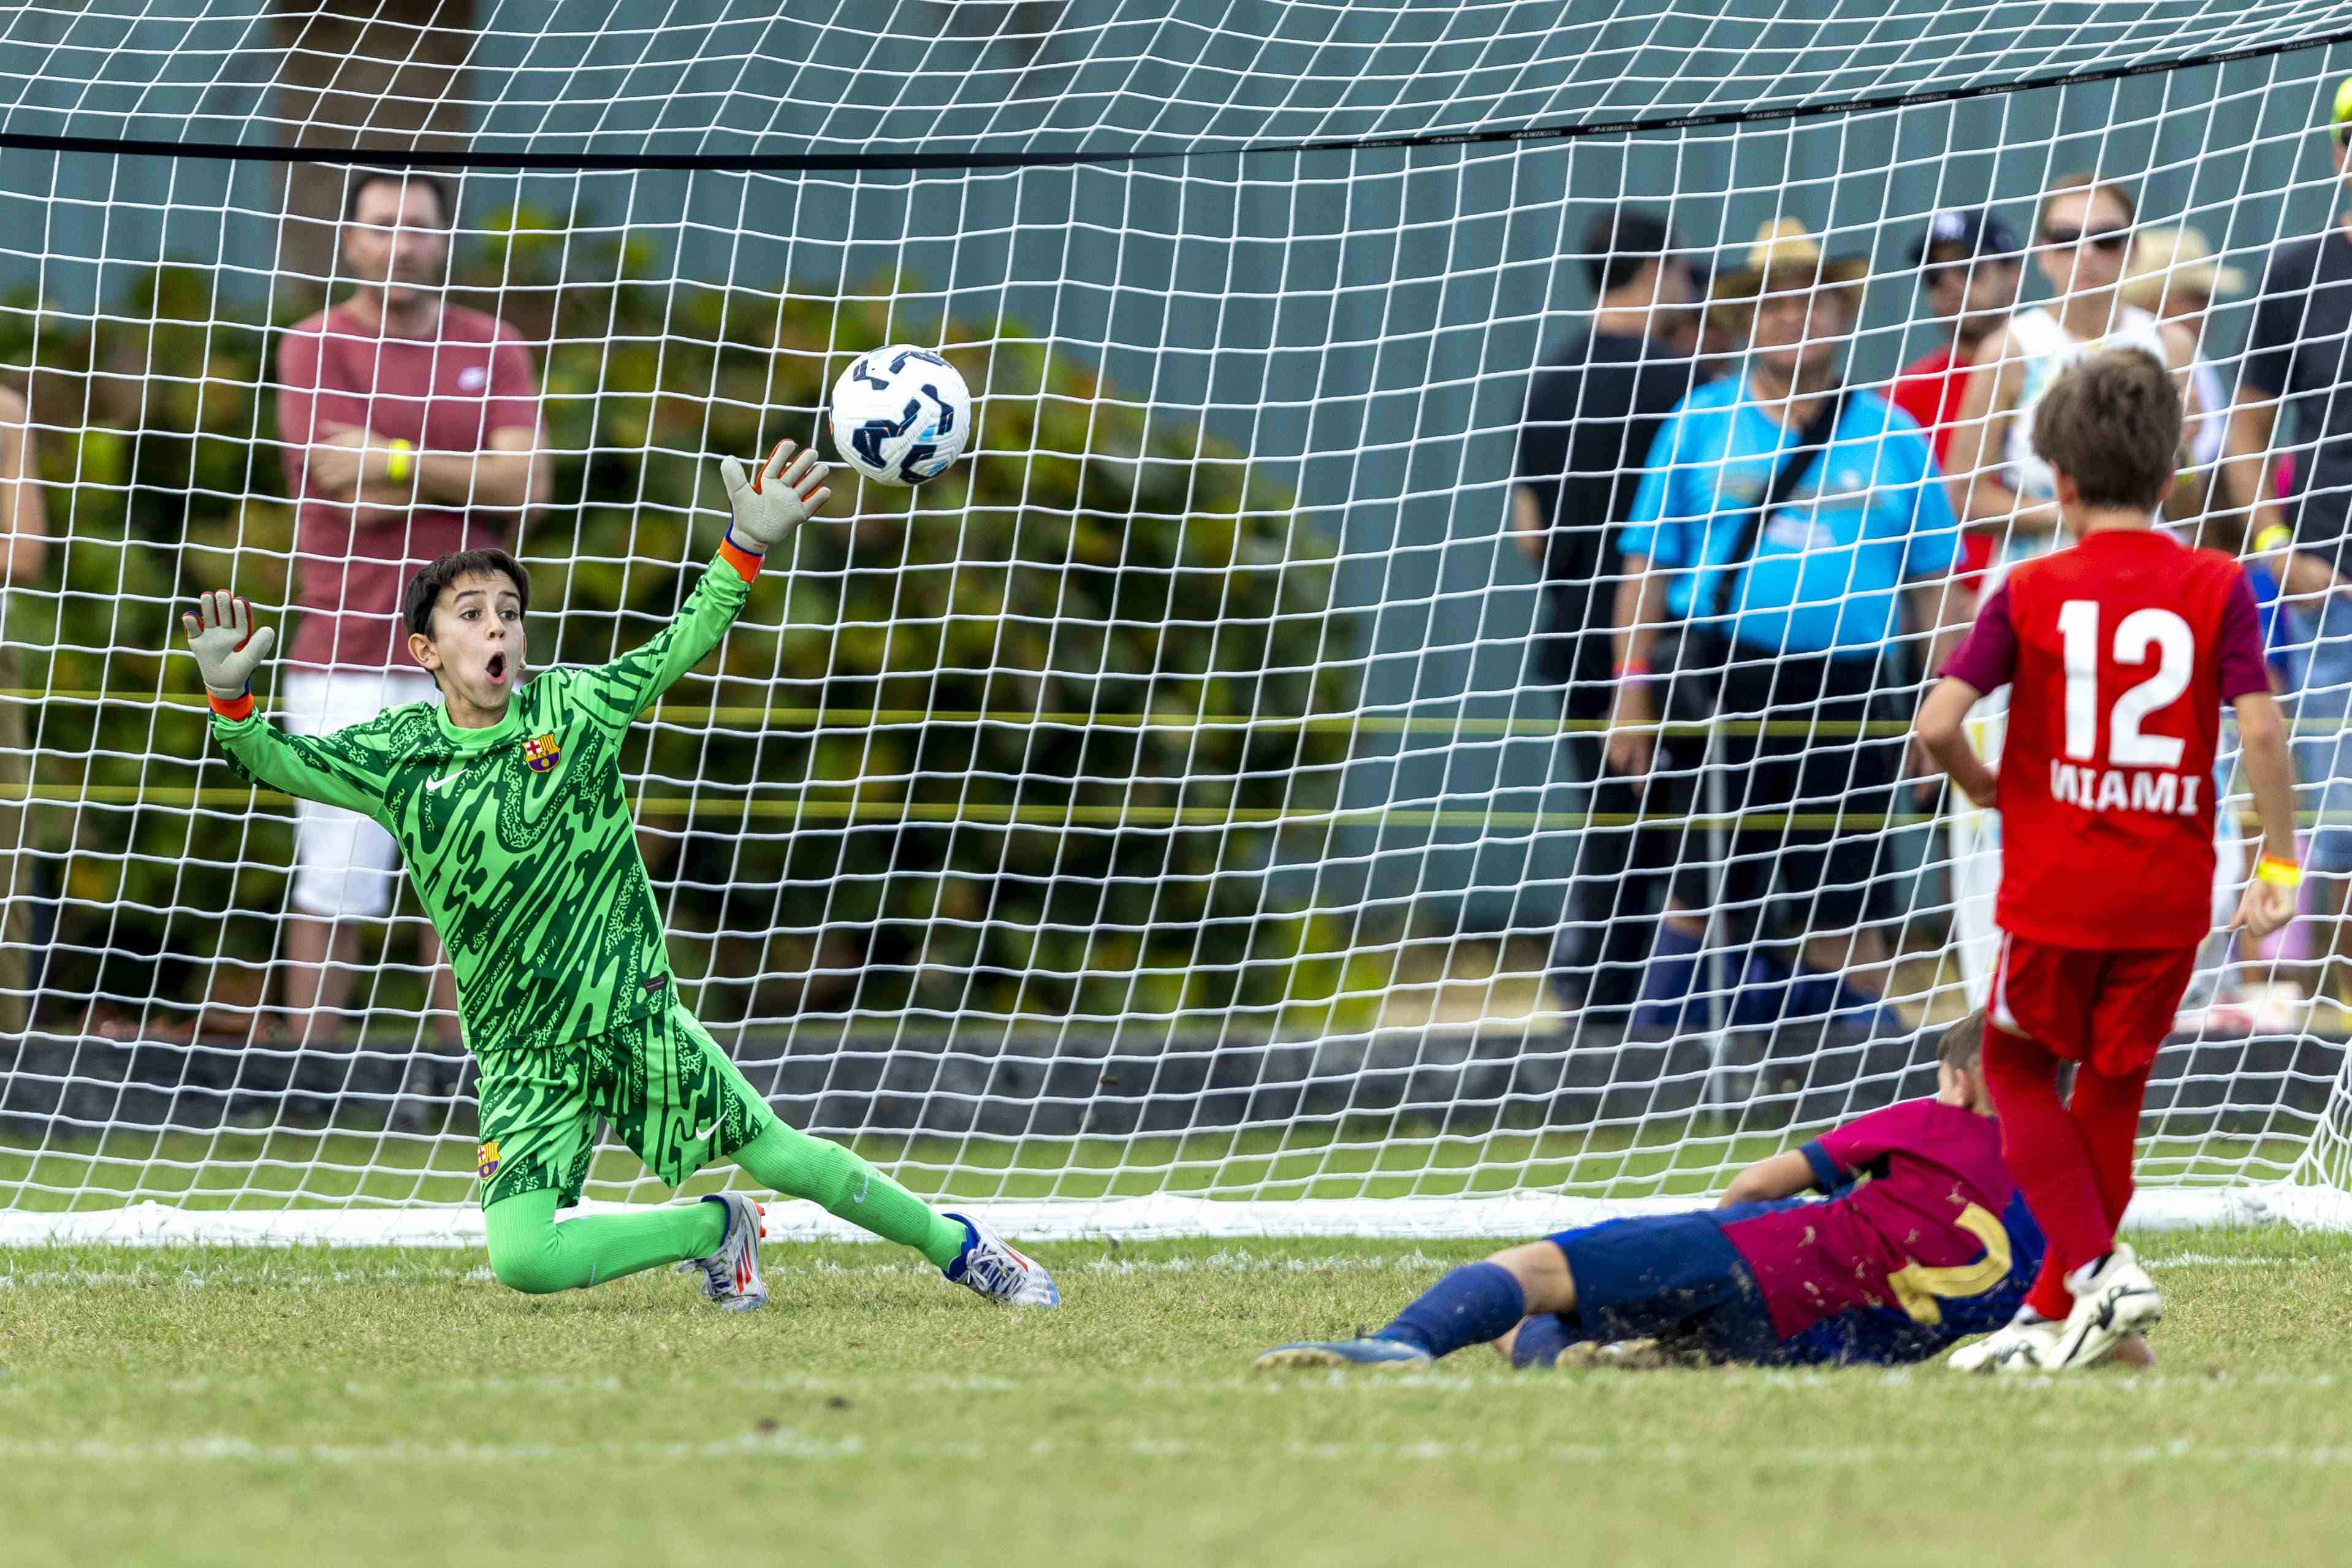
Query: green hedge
[(1092, 562)]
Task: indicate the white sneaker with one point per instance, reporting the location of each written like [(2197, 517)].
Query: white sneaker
[(2114, 1300), (990, 1266), (2017, 1345), (731, 1276)]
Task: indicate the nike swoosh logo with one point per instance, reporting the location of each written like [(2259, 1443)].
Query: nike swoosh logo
[(707, 1132), (863, 1188), (444, 781)]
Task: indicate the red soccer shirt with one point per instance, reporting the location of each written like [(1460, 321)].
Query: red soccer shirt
[(2120, 652), (1930, 389), (444, 394), (1929, 1232)]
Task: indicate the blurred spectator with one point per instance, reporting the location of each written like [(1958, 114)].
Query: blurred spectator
[(1592, 411), (2297, 365), (1970, 268), (2082, 238), (23, 550), (412, 430), (2173, 277), (1786, 614), (2083, 235)]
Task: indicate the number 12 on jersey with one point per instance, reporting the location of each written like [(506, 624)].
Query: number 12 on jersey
[(2140, 635)]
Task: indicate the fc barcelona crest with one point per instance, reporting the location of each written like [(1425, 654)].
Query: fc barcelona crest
[(542, 755), (485, 1160)]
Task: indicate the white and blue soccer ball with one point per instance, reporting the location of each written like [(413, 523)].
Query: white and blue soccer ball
[(901, 414)]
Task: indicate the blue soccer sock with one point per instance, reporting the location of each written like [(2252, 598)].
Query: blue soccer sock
[(1541, 1339), (1474, 1304), (1669, 978)]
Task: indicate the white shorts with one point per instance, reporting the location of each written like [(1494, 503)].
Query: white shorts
[(344, 866)]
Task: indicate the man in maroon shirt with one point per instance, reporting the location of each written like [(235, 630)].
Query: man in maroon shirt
[(411, 430), (1970, 270)]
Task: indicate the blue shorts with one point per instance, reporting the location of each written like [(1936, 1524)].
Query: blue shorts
[(1674, 1278)]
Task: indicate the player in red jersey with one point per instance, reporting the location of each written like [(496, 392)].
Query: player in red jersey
[(2121, 652)]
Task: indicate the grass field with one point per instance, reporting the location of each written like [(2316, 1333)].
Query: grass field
[(258, 1407), (274, 1167)]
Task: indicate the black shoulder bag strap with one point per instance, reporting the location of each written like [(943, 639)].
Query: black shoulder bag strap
[(1810, 441)]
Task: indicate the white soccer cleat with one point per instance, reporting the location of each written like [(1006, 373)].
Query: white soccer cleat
[(990, 1266), (731, 1276), (2017, 1345), (2111, 1302)]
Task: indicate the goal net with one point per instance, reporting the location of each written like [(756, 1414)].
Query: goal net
[(1179, 818)]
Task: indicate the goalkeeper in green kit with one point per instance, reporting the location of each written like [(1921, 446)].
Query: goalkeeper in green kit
[(505, 797)]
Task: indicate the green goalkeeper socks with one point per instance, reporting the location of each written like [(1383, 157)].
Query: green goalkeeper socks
[(839, 1183), (530, 1252)]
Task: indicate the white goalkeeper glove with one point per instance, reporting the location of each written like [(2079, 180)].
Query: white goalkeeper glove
[(768, 505), (227, 649)]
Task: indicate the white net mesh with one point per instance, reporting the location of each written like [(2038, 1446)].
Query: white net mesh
[(1171, 802)]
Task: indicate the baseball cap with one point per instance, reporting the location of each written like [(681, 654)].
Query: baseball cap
[(1977, 230), (1617, 242)]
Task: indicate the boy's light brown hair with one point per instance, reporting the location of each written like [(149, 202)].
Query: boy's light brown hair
[(2111, 422), (1962, 1044)]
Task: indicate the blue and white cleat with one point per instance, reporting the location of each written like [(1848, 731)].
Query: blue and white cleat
[(989, 1265), (731, 1276), (1383, 1356)]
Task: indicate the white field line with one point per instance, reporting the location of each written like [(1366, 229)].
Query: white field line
[(276, 1271), (786, 1444), (1044, 1221), (1474, 1375)]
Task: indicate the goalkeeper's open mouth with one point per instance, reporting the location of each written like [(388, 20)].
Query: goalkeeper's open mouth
[(497, 669)]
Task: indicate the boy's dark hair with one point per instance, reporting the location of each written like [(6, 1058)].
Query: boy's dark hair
[(440, 187), (424, 590), (1962, 1043), (2111, 422)]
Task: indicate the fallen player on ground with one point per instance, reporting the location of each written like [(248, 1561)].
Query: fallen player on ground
[(1936, 1245), (505, 798)]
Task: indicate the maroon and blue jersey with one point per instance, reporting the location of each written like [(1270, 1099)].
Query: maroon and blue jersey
[(1925, 1238)]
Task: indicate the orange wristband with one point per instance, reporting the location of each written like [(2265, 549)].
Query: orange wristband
[(232, 709), (735, 555)]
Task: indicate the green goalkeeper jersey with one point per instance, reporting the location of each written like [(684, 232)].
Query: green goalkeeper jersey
[(518, 837)]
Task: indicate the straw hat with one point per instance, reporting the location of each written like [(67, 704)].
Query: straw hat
[(2178, 259), (1785, 256)]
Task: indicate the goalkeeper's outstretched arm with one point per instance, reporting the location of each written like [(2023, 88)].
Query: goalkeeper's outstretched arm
[(767, 507), (342, 769)]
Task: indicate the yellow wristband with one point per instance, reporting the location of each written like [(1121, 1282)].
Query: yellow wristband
[(2274, 537), (2278, 872), (397, 464)]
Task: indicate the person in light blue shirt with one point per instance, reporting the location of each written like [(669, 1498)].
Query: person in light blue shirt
[(1828, 572), (1803, 619)]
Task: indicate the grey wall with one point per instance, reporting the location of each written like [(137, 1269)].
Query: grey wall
[(1363, 322)]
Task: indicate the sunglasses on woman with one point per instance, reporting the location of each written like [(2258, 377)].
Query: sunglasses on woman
[(2109, 241)]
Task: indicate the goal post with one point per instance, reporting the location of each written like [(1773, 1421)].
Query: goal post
[(1168, 822)]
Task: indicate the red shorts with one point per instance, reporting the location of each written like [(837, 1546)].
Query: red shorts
[(2110, 1010)]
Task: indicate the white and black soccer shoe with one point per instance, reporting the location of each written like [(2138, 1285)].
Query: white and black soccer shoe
[(2112, 1302), (2017, 1345)]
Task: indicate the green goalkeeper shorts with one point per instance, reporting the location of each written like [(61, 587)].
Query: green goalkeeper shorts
[(666, 1087)]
